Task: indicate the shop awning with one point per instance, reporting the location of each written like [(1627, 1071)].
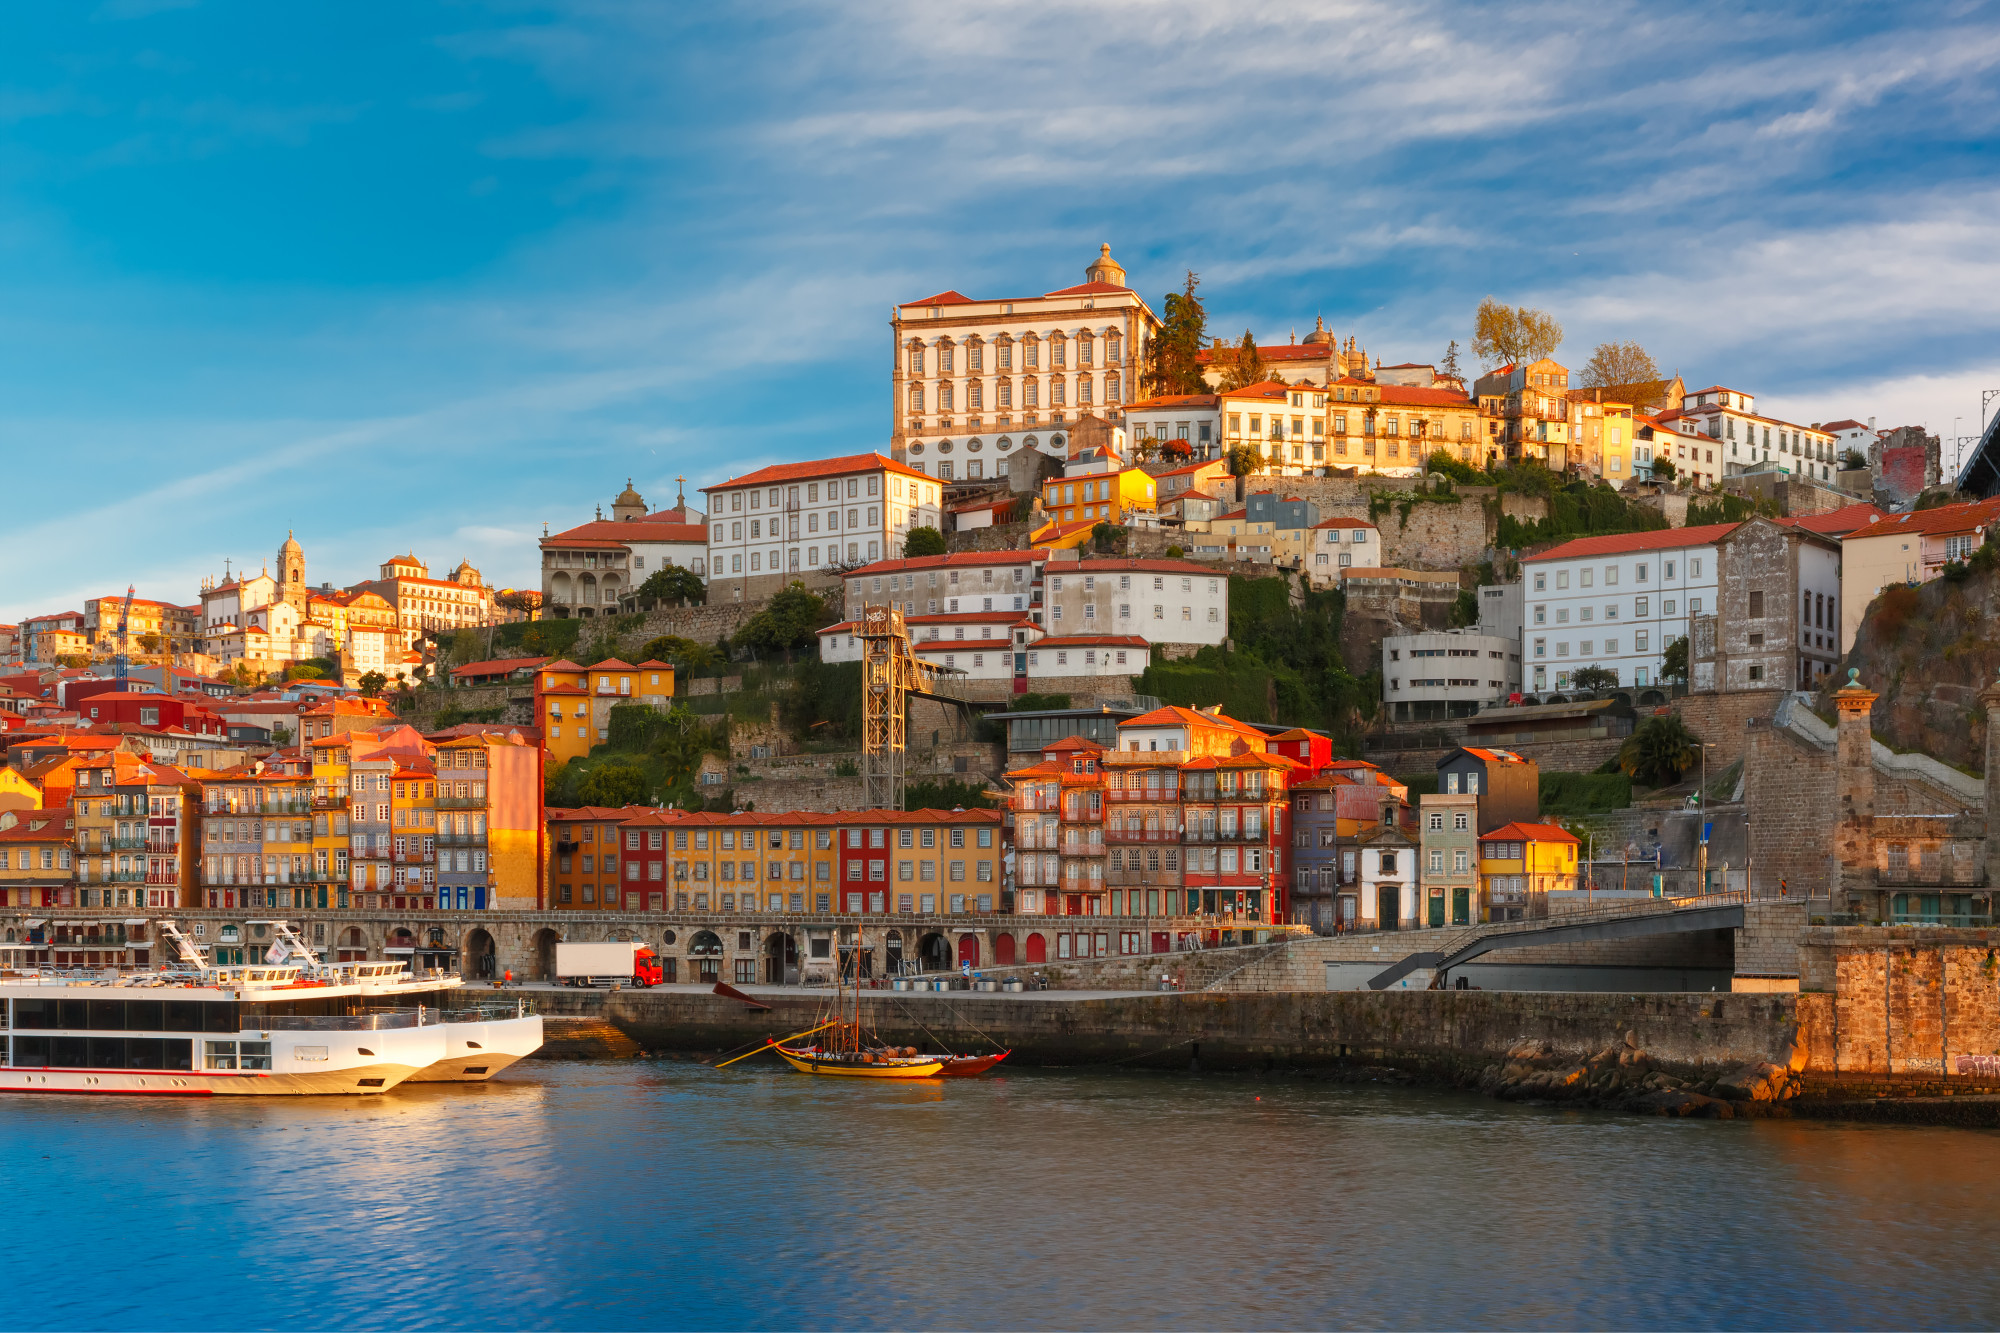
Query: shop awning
[(138, 921), (33, 924), (405, 950)]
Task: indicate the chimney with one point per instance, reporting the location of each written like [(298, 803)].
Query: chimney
[(1854, 833)]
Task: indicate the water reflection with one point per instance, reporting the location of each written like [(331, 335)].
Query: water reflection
[(648, 1194)]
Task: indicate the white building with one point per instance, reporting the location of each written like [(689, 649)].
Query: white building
[(1341, 543), (1087, 655), (973, 631), (1616, 602), (798, 520), (1745, 439), (1194, 419), (974, 382), (1447, 673), (1161, 601), (932, 585)]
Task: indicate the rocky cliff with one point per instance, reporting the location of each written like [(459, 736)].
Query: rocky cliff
[(1928, 651)]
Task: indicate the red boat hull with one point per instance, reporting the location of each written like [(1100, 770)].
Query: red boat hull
[(971, 1066)]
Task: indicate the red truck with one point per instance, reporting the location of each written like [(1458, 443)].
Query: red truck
[(607, 963)]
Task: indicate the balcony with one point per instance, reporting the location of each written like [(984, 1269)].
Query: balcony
[(116, 941), (1082, 847), (299, 807), (1035, 843), (122, 844), (1142, 835), (461, 839), (1126, 797), (1250, 835), (461, 802), (1025, 803), (338, 802)]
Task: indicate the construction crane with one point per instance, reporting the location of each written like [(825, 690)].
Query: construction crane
[(124, 659), (890, 675)]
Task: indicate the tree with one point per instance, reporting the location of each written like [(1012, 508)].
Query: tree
[(1465, 611), (923, 541), (683, 653), (1178, 450), (613, 784), (1449, 364), (281, 735), (1594, 678), (1659, 751), (1243, 461), (1663, 469), (1674, 661), (1245, 365), (673, 585), (304, 671), (372, 684), (1175, 553), (149, 643), (1513, 335), (1617, 363), (467, 646), (1442, 463), (1173, 358), (1107, 538), (522, 600), (786, 622)]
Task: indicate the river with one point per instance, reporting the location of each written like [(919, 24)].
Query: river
[(656, 1194)]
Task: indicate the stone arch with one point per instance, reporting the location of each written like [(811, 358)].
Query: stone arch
[(543, 950), (1038, 947), (1652, 698), (781, 959), (561, 591), (477, 954), (586, 588), (892, 953), (704, 944), (968, 950), (608, 592), (934, 952), (1003, 949)]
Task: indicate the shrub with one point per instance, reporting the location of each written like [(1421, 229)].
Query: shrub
[(947, 794), (1584, 793)]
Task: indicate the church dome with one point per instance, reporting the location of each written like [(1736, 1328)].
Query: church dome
[(1319, 335), (1106, 269), (628, 496), (291, 546)]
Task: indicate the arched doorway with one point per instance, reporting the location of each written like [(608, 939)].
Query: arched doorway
[(544, 947), (968, 951), (479, 954), (1388, 906), (705, 949), (352, 946), (934, 953), (401, 946), (1038, 948), (892, 953), (1003, 949), (781, 960)]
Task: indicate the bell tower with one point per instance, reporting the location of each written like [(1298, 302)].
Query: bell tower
[(292, 573)]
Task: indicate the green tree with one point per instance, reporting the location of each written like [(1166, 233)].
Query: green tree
[(1514, 335), (1173, 358), (683, 653), (1659, 751), (1674, 661), (1449, 364), (1617, 363), (787, 622), (946, 794), (1465, 611), (281, 735), (304, 671), (1243, 461), (1594, 678), (1663, 469), (149, 643), (923, 541), (1244, 366), (613, 784), (371, 684), (1442, 463), (1108, 538), (673, 586)]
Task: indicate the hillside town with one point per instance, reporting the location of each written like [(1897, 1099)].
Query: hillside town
[(1204, 640)]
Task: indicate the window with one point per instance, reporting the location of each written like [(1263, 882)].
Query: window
[(1756, 603)]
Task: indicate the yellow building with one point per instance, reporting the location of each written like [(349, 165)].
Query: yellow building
[(35, 869), (1520, 862), (489, 810), (1600, 435), (562, 710), (17, 792), (1078, 503)]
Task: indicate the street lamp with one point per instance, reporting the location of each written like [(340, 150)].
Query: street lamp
[(1706, 746)]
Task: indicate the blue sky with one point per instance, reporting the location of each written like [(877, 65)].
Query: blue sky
[(425, 276)]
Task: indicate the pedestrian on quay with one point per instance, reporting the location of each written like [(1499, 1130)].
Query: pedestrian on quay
[(508, 977)]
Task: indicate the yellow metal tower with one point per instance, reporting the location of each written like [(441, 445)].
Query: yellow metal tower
[(890, 674)]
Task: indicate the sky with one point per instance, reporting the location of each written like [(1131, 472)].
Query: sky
[(423, 277)]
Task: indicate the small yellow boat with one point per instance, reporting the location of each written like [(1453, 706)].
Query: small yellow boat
[(843, 1064)]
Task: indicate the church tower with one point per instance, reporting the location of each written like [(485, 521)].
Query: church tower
[(292, 574), (629, 505), (1106, 269)]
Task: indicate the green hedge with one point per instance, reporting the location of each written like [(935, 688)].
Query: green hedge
[(1584, 793)]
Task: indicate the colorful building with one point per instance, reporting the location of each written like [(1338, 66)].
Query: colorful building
[(1520, 862)]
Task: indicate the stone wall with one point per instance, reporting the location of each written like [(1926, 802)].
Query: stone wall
[(703, 624), (1901, 1003), (1453, 1034), (999, 537)]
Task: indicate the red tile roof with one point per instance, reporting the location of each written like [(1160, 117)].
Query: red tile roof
[(1945, 519), (943, 298), (1345, 523), (499, 666), (1522, 832), (1838, 522), (1624, 543), (1174, 400), (824, 467), (1143, 566), (1090, 289), (1261, 389), (973, 559), (625, 530), (1089, 641)]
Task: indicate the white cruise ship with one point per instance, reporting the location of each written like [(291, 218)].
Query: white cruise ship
[(289, 1026)]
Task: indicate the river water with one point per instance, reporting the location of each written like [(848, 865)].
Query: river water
[(649, 1194)]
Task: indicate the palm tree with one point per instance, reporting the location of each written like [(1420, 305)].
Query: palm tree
[(1659, 751)]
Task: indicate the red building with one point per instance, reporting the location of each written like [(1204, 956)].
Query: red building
[(149, 710)]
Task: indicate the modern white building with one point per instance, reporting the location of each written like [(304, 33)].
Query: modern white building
[(1438, 674), (820, 518), (1193, 419), (1615, 602), (1160, 601), (1744, 439), (974, 382), (974, 631)]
